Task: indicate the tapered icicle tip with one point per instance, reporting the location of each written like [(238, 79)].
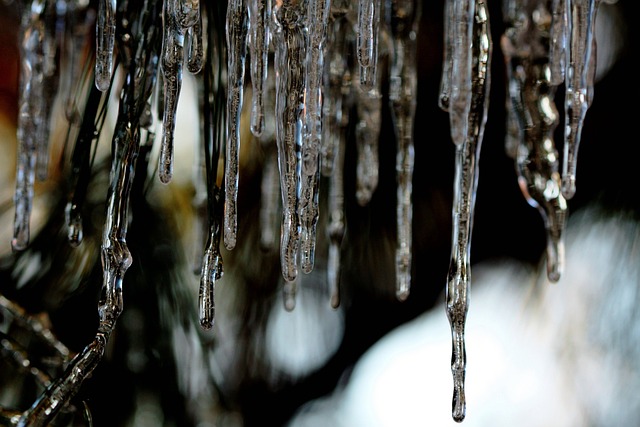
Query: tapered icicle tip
[(18, 244), (459, 404), (555, 259), (289, 295), (568, 186)]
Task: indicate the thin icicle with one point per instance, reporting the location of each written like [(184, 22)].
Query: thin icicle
[(237, 29), (269, 201), (115, 255), (318, 18), (525, 47), (259, 17), (403, 86), (172, 59), (580, 60), (213, 108), (455, 96), (367, 41), (105, 37), (290, 40), (31, 117), (337, 81), (558, 41), (336, 226), (194, 46), (369, 108), (465, 184)]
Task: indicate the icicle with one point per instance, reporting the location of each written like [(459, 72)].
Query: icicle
[(455, 96), (289, 292), (259, 17), (80, 20), (465, 184), (270, 201), (172, 59), (212, 270), (580, 62), (525, 47), (367, 41), (213, 108), (270, 188), (237, 29), (193, 43), (290, 40), (318, 18), (558, 40), (337, 82), (403, 86), (105, 37), (336, 226), (369, 108), (32, 116), (81, 164), (116, 257)]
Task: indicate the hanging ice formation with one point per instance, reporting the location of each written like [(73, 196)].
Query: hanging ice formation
[(313, 87)]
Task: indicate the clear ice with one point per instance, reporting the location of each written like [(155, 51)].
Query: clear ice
[(471, 128), (327, 71)]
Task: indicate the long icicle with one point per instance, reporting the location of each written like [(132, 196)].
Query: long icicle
[(465, 184)]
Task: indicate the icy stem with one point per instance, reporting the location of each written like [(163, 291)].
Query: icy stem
[(290, 40), (403, 86), (318, 18), (465, 184), (525, 45), (237, 29)]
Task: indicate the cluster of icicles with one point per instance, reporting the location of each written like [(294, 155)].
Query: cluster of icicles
[(546, 43)]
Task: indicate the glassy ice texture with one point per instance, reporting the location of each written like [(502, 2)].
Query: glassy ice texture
[(105, 37), (318, 18), (337, 83), (402, 87), (455, 96), (115, 254), (336, 225), (369, 110), (259, 18), (237, 30), (465, 184), (290, 39), (525, 45), (580, 60), (368, 28), (213, 107), (172, 59), (37, 70)]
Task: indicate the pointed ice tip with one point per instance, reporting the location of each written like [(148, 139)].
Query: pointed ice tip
[(165, 175), (568, 186), (335, 301), (102, 81), (459, 409), (206, 324)]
